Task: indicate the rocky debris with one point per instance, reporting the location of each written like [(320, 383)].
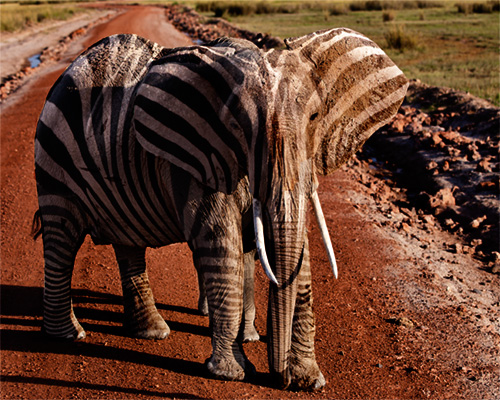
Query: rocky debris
[(205, 30), (441, 149), (496, 263), (401, 321), (14, 81)]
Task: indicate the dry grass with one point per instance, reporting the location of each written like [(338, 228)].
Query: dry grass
[(399, 39), (17, 16)]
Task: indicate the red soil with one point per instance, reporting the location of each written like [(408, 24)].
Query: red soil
[(405, 319)]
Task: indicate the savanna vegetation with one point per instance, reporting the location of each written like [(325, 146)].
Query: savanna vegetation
[(442, 43), (18, 15)]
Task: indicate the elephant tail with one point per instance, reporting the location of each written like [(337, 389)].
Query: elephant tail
[(36, 226)]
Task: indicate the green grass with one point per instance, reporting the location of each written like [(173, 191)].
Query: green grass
[(430, 40), (450, 48), (16, 16)]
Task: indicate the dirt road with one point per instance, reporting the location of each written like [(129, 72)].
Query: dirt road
[(406, 319)]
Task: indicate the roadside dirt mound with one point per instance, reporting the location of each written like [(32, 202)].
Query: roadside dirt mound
[(443, 149), (204, 30)]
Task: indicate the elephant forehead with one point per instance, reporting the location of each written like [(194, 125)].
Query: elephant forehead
[(291, 179)]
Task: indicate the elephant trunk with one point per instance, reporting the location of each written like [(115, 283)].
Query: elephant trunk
[(287, 256), (282, 261), (259, 236), (279, 330), (285, 240)]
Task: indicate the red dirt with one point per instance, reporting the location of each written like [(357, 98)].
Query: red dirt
[(406, 318)]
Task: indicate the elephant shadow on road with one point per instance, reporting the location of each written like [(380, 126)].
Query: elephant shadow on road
[(100, 314), (97, 311), (21, 319)]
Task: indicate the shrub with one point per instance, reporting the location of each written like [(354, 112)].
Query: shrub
[(239, 8), (482, 8), (429, 4), (388, 16), (233, 9), (263, 7), (411, 4), (373, 5), (464, 8), (358, 6), (478, 8), (338, 9), (204, 6), (397, 38), (287, 9)]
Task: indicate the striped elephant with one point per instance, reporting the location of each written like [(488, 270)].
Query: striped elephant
[(218, 146)]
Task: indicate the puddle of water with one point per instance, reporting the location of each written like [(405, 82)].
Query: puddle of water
[(34, 60), (197, 42)]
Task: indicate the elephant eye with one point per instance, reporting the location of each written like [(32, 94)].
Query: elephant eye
[(313, 117)]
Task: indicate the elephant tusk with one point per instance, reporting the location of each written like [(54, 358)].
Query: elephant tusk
[(324, 232), (259, 238)]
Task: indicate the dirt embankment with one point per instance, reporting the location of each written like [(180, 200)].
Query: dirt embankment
[(414, 314), (443, 149)]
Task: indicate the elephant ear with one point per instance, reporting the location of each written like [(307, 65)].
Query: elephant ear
[(356, 90), (183, 111)]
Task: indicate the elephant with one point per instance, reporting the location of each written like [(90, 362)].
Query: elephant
[(248, 331), (219, 146)]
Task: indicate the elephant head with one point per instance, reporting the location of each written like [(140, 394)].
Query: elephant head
[(280, 118)]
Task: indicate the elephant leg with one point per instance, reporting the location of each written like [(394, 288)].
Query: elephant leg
[(305, 373), (221, 265), (248, 331), (249, 334), (62, 235), (141, 316), (202, 299)]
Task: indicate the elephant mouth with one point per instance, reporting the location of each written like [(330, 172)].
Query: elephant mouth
[(260, 241)]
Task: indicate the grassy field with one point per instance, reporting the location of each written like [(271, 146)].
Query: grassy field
[(15, 16), (444, 47), (443, 43)]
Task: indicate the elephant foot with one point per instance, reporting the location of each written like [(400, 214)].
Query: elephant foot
[(305, 374), (250, 334), (151, 326), (203, 305), (230, 369), (74, 332)]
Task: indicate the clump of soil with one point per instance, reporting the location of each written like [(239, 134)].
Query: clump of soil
[(442, 148)]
